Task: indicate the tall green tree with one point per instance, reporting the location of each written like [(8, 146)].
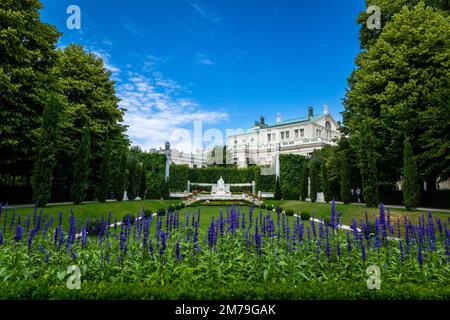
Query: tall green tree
[(142, 180), (154, 171), (398, 77), (314, 180), (435, 140), (119, 180), (290, 175), (368, 167), (388, 10), (304, 181), (105, 172), (46, 150), (92, 102), (345, 179), (81, 169), (277, 194), (165, 192), (411, 187), (325, 183), (27, 54), (133, 173)]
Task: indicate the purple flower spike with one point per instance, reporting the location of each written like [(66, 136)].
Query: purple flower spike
[(19, 233)]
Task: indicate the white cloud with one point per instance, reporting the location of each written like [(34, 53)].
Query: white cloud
[(157, 111), (204, 14), (152, 62), (204, 59), (106, 57), (131, 29), (106, 41)]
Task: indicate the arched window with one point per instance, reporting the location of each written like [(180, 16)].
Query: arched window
[(328, 125)]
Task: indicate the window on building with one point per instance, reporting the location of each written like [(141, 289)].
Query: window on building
[(273, 136), (252, 140), (282, 135), (287, 134), (302, 132), (328, 125), (296, 133), (269, 136)]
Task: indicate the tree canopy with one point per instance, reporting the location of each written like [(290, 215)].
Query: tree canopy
[(401, 79)]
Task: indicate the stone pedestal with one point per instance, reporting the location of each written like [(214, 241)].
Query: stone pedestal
[(320, 197)]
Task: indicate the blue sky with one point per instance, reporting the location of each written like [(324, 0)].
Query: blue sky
[(222, 62)]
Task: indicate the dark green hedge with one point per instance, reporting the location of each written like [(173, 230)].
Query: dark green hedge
[(155, 164), (229, 174), (180, 174), (241, 188), (178, 177), (201, 188), (290, 171), (265, 183)]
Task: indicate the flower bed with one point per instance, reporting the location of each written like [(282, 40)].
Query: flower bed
[(244, 254)]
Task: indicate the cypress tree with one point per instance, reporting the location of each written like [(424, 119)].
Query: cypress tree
[(142, 181), (304, 181), (345, 180), (45, 161), (325, 183), (411, 187), (119, 178), (132, 175), (81, 169), (105, 172), (368, 167), (314, 181), (165, 192), (277, 193)]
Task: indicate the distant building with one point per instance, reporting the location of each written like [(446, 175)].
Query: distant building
[(298, 136), (197, 159)]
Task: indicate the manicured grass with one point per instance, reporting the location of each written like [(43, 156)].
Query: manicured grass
[(120, 209), (207, 213), (95, 210), (350, 211)]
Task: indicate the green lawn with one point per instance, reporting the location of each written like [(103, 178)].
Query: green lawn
[(350, 211), (120, 209), (96, 210)]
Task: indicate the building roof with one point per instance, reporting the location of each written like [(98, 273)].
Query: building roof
[(302, 120), (296, 120)]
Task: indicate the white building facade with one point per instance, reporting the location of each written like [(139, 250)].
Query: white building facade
[(298, 136), (197, 159)]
